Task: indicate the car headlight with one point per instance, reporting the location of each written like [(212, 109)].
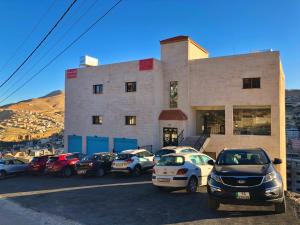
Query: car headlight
[(216, 177), (270, 176)]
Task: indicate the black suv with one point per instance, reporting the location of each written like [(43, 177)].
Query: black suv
[(245, 176), (97, 164)]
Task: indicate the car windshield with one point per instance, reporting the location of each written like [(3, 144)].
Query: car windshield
[(171, 161), (243, 157), (123, 156), (53, 159), (164, 152), (89, 157)]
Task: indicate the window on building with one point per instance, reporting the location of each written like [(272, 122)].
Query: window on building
[(249, 83), (297, 173), (130, 120), (251, 120), (97, 120), (173, 94), (98, 89), (130, 86), (210, 121)]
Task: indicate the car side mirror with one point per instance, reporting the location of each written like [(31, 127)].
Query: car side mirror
[(277, 161), (211, 162)]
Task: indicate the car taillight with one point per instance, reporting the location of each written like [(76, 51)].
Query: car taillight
[(153, 171), (182, 171), (129, 160)]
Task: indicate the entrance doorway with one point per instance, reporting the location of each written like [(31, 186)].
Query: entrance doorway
[(170, 136)]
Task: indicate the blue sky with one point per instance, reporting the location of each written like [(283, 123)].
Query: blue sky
[(133, 30)]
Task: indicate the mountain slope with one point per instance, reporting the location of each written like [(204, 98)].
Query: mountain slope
[(33, 118)]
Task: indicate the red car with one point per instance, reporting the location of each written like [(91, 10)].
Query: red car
[(38, 164), (63, 164)]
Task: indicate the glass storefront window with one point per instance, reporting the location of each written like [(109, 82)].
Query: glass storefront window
[(173, 94), (251, 120), (210, 122)]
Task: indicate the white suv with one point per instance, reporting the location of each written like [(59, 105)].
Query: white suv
[(186, 170), (173, 149), (133, 161)]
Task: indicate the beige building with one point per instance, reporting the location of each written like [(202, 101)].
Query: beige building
[(185, 97)]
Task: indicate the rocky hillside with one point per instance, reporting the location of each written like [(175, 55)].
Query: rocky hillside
[(33, 118)]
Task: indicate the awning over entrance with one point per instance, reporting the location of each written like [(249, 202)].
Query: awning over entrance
[(175, 114)]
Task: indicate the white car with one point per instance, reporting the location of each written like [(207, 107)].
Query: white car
[(133, 161), (173, 149), (186, 170)]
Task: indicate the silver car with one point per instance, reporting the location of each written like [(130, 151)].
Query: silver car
[(11, 166)]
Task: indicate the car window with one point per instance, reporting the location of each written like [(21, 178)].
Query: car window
[(16, 161), (69, 157), (195, 159), (205, 159), (10, 162), (188, 150), (243, 157), (164, 152), (171, 160), (147, 154)]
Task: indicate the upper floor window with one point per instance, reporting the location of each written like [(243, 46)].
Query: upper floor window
[(249, 83), (130, 86), (130, 120), (97, 120), (98, 89), (173, 94)]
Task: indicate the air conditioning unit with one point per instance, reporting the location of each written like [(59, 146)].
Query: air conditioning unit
[(86, 61)]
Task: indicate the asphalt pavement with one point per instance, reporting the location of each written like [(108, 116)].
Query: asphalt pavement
[(120, 200)]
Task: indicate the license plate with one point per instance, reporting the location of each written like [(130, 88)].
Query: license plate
[(81, 171), (242, 195), (120, 165), (163, 179)]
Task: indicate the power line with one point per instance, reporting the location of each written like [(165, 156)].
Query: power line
[(28, 36), (41, 42), (64, 50), (51, 47)]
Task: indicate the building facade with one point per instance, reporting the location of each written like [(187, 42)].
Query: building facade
[(239, 100)]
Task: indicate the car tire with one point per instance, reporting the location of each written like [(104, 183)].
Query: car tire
[(213, 204), (2, 174), (192, 186), (67, 172), (137, 171), (280, 207), (100, 172)]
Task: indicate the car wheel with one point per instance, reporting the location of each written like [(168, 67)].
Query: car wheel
[(100, 172), (137, 171), (280, 207), (192, 186), (67, 172), (2, 174), (213, 204)]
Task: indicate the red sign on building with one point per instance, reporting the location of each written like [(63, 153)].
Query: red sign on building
[(71, 73), (146, 64)]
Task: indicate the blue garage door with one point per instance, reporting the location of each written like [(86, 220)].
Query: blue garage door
[(121, 144), (74, 143), (97, 144)]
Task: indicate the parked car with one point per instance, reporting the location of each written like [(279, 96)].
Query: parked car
[(173, 149), (133, 161), (245, 176), (11, 166), (38, 164), (63, 164), (97, 164), (186, 170)]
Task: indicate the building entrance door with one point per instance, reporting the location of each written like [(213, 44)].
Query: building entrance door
[(170, 136)]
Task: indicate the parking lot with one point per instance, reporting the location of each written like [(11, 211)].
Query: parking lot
[(127, 200)]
